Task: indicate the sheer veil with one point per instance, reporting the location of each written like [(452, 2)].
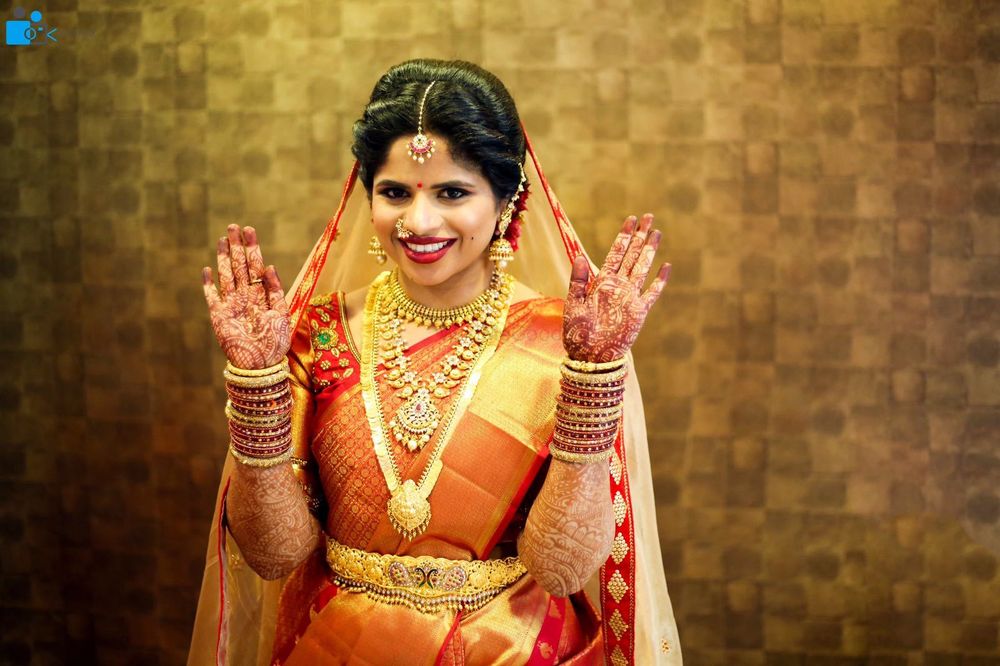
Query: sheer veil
[(236, 611)]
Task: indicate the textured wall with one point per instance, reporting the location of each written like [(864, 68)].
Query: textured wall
[(821, 377)]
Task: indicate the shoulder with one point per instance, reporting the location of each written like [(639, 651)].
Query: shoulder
[(354, 301), (537, 305)]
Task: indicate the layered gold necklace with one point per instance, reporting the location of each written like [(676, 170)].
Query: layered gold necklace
[(419, 418)]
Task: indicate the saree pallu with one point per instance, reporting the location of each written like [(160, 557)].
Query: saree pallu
[(492, 467)]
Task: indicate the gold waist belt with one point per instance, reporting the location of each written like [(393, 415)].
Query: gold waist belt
[(426, 584)]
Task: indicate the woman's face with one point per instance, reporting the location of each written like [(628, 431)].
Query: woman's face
[(450, 210)]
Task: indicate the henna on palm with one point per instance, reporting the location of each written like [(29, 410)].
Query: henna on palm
[(250, 318), (603, 315), (570, 527), (269, 518)]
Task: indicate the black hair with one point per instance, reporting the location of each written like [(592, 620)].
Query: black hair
[(468, 106)]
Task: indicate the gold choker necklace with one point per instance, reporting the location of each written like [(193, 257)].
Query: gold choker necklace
[(419, 418), (422, 315)]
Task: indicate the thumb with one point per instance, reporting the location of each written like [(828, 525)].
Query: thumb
[(578, 278)]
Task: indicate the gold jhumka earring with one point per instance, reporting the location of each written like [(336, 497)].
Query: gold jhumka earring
[(421, 146), (501, 251), (376, 250)]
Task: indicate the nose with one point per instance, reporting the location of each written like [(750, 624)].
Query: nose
[(421, 218)]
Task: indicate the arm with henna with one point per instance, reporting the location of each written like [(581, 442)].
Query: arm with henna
[(570, 527), (267, 510), (268, 516)]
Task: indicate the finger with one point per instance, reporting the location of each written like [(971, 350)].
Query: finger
[(656, 288), (275, 294), (635, 246), (642, 266), (208, 286), (238, 254), (617, 251), (578, 278), (225, 266), (255, 266)]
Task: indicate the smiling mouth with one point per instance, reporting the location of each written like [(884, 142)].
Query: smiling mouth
[(424, 247)]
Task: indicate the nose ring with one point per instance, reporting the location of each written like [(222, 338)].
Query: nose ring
[(401, 231)]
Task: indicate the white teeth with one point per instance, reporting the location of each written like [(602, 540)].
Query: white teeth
[(426, 249)]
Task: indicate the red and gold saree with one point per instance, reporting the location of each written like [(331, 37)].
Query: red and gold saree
[(479, 503)]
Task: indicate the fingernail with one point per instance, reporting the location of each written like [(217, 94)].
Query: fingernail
[(223, 244), (656, 236)]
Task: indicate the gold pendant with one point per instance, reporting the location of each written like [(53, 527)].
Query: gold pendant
[(416, 420), (409, 510)]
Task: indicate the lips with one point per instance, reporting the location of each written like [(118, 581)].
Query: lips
[(426, 250)]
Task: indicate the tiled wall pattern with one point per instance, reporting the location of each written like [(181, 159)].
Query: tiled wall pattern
[(822, 379)]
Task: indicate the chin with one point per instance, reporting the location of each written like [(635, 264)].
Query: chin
[(425, 275), (438, 273)]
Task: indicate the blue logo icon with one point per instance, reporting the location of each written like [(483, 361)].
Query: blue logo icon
[(24, 32)]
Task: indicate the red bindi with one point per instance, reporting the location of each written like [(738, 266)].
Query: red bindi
[(419, 185)]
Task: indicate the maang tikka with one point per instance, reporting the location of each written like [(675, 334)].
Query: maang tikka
[(421, 146), (501, 251)]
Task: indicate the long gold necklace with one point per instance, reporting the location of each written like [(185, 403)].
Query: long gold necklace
[(419, 417), (408, 507)]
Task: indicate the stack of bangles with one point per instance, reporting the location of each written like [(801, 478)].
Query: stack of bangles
[(588, 410), (259, 411)]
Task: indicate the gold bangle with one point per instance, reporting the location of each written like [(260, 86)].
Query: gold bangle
[(235, 391), (280, 366), (584, 458), (255, 382), (577, 417), (590, 407), (593, 378), (249, 461), (572, 443), (593, 366), (586, 426), (258, 421), (567, 402)]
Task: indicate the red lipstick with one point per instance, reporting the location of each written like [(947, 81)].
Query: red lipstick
[(424, 257)]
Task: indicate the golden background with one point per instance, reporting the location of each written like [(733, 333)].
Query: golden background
[(821, 376)]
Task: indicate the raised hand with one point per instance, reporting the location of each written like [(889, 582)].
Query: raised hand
[(248, 310), (603, 314)]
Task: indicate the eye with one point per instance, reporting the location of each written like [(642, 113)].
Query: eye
[(453, 193), (393, 193)]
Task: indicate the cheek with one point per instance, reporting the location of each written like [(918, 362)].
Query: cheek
[(383, 220)]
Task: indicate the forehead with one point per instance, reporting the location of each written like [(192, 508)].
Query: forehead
[(399, 166)]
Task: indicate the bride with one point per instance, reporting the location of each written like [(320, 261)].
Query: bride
[(429, 464)]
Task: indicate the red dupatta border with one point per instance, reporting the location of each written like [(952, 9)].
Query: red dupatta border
[(223, 627), (618, 572)]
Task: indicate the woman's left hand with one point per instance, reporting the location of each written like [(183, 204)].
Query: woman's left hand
[(603, 314)]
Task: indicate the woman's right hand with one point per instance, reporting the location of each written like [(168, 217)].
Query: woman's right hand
[(248, 310)]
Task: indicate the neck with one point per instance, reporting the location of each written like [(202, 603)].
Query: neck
[(456, 291)]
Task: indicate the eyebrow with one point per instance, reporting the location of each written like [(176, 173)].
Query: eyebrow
[(437, 186)]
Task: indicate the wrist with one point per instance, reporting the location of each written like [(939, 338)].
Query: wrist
[(259, 412), (588, 410)]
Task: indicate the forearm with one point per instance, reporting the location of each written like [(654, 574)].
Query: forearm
[(570, 527), (269, 518)]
